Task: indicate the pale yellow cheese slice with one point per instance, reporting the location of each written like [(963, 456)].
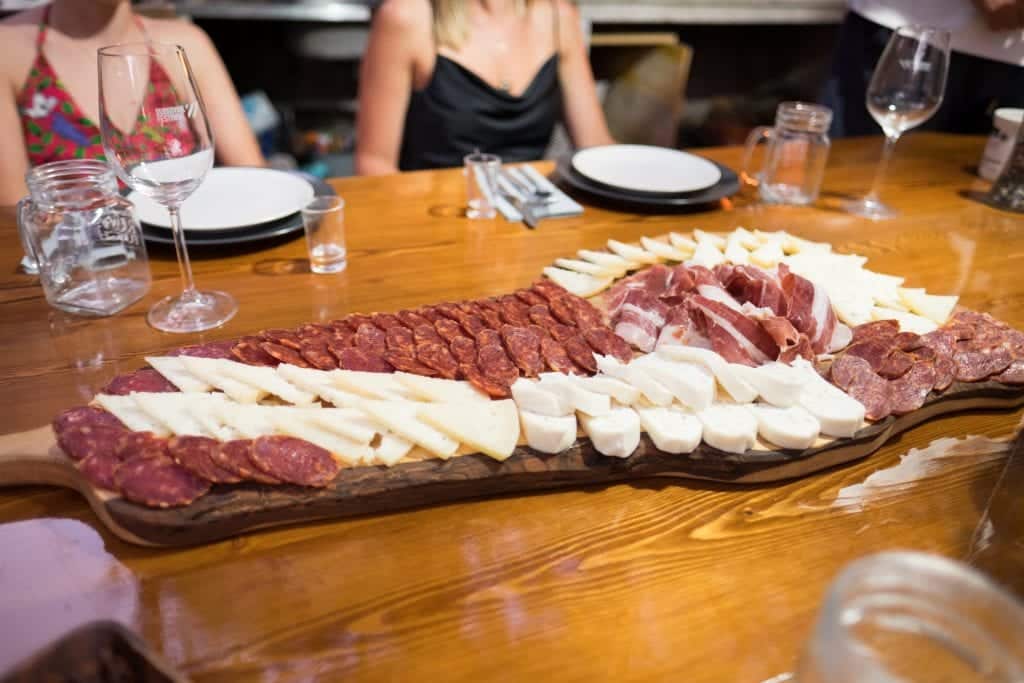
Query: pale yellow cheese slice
[(128, 411), (632, 253), (375, 385), (401, 417), (664, 250), (492, 427), (211, 371), (173, 370), (439, 390), (580, 284), (603, 258), (589, 268), (936, 308), (682, 243)]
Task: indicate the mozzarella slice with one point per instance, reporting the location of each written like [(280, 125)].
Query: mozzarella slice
[(391, 449), (693, 385), (623, 392), (724, 372), (615, 434), (791, 427), (632, 253), (635, 375), (663, 250), (125, 409), (589, 268), (935, 308), (580, 284), (548, 433), (707, 255), (174, 372), (296, 422), (437, 390), (212, 371), (613, 262), (375, 385), (346, 422), (249, 421), (170, 410), (266, 379), (672, 431), (581, 400), (491, 427), (401, 418), (909, 322), (768, 255), (838, 413), (531, 396), (682, 243), (776, 383), (729, 427)]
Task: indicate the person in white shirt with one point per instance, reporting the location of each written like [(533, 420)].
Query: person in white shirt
[(986, 69)]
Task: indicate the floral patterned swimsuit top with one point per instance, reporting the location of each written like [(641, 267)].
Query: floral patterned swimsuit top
[(56, 129)]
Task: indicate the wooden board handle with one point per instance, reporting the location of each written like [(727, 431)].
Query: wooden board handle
[(33, 457)]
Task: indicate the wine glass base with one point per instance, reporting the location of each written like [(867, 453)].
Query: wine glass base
[(192, 312), (869, 208)]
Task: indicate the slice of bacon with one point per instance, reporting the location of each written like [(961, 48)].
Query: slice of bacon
[(733, 335)]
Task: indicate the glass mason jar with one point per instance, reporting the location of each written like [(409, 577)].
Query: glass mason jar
[(903, 617), (794, 163), (83, 237)]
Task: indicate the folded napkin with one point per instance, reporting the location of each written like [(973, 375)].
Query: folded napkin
[(559, 203)]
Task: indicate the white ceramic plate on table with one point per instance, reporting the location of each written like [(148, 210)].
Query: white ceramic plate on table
[(232, 198), (643, 168)]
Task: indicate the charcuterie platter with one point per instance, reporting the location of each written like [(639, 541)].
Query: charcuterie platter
[(746, 358)]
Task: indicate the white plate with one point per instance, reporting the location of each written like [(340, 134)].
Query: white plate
[(231, 198), (641, 168)]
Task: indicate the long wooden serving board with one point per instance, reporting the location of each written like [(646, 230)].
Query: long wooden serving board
[(33, 457)]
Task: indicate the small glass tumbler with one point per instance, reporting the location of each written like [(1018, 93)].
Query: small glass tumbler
[(481, 171), (904, 617), (324, 222)]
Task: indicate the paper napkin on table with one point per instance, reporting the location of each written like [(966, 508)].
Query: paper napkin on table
[(559, 206)]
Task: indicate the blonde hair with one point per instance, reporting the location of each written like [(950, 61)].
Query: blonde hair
[(451, 21)]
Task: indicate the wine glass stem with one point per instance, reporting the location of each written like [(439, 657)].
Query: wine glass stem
[(188, 287), (883, 166)]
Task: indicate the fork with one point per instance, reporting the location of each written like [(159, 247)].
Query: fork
[(530, 193)]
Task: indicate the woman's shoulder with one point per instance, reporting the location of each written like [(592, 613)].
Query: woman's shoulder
[(179, 32), (18, 36), (412, 17)]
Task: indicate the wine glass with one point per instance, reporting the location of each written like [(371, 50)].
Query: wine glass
[(157, 137), (905, 91)]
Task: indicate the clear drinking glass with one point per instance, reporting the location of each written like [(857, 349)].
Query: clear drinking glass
[(481, 172), (906, 89), (324, 223), (904, 617), (158, 139), (798, 146)]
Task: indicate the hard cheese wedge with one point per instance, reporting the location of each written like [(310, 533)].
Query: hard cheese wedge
[(127, 410), (401, 417), (266, 379), (173, 369), (632, 253), (171, 410), (580, 284), (211, 371), (492, 427), (663, 250), (589, 268), (935, 308), (439, 390), (376, 385)]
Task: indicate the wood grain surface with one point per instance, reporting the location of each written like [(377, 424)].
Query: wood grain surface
[(705, 581)]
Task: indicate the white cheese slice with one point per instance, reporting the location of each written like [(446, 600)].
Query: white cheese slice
[(707, 255), (580, 284), (744, 238), (401, 418), (776, 383), (729, 427), (212, 371), (439, 390), (672, 431), (735, 253), (692, 384), (909, 322), (632, 253), (249, 421), (531, 396), (936, 308), (589, 268), (491, 427), (615, 434), (296, 422), (548, 433), (838, 413), (613, 262), (174, 372), (347, 422), (171, 410), (267, 379), (767, 256), (791, 427), (375, 385), (635, 375), (714, 239), (125, 409), (581, 400), (792, 244), (623, 392), (202, 409), (663, 250), (723, 371), (306, 379), (391, 449), (682, 243)]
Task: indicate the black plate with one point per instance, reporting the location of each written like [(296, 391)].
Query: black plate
[(726, 187), (264, 231)]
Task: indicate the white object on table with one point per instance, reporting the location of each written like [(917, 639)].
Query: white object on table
[(559, 204), (1005, 124), (644, 168)]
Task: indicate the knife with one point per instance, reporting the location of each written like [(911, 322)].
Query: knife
[(529, 212)]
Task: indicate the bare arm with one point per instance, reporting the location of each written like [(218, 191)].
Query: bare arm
[(386, 79), (1002, 15), (14, 159), (583, 115)]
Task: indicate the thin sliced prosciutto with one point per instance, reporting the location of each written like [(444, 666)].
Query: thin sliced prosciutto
[(810, 311), (749, 284), (733, 335)]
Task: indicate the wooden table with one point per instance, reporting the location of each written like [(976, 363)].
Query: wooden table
[(655, 582)]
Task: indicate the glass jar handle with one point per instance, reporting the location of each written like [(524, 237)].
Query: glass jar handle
[(30, 263), (756, 137)]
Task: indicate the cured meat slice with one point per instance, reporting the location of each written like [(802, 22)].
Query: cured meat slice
[(234, 456), (195, 453), (426, 333), (514, 311), (896, 364), (587, 315), (139, 445), (607, 343), (492, 318), (437, 356), (404, 362), (561, 332), (449, 329), (158, 482), (400, 339), (1014, 374), (562, 310), (412, 319), (755, 286), (635, 328), (336, 347), (810, 310), (491, 387), (341, 325), (356, 320), (907, 341), (448, 310), (538, 332), (386, 321), (314, 333), (82, 440), (472, 323), (540, 314), (548, 289), (488, 337), (581, 353), (801, 350), (463, 350), (524, 349), (855, 377), (145, 380), (874, 351), (680, 330), (284, 354), (85, 415), (872, 330), (530, 297), (357, 359), (733, 335), (469, 307), (556, 357), (496, 365), (319, 356), (282, 337), (371, 339), (429, 313), (908, 393), (98, 470), (945, 372), (247, 350), (972, 366), (295, 461), (215, 349)]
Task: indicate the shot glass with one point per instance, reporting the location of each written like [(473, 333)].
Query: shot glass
[(324, 223), (481, 171)]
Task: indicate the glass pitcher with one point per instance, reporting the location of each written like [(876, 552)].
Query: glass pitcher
[(83, 237), (794, 163)]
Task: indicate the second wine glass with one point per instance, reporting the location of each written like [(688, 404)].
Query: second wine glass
[(906, 89), (157, 137)]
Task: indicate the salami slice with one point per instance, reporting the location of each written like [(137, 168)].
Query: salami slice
[(908, 393), (85, 415), (386, 321), (1014, 374), (875, 330), (247, 350), (357, 320), (404, 362), (895, 364), (562, 332), (540, 314), (318, 356), (514, 311), (587, 314), (491, 318), (437, 356), (874, 351), (282, 337), (472, 324), (496, 365), (314, 333), (907, 341), (972, 366), (342, 337), (284, 354), (295, 461), (411, 319), (538, 332), (448, 310), (530, 297), (524, 349), (424, 334), (82, 440), (607, 343), (357, 359), (847, 369), (371, 339), (139, 445), (548, 289), (158, 482), (144, 380), (556, 358), (98, 470), (563, 310), (215, 349), (581, 353), (342, 325), (429, 313), (945, 372), (491, 387), (449, 329), (195, 453), (235, 457), (463, 350), (489, 337), (400, 339), (854, 375)]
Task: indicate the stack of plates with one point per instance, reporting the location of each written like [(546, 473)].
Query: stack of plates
[(647, 177), (233, 206)]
